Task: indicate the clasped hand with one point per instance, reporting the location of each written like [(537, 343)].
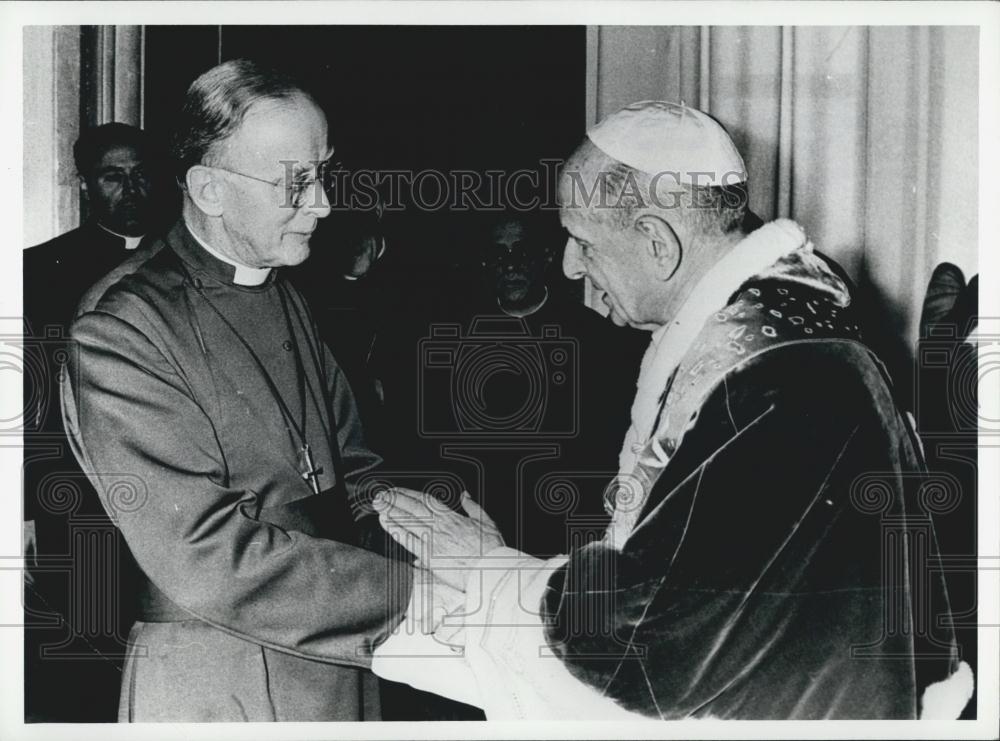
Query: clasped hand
[(444, 541), (446, 544)]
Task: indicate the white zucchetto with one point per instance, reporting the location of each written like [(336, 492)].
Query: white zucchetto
[(656, 136)]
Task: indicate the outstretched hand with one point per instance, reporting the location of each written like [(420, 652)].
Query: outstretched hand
[(444, 541)]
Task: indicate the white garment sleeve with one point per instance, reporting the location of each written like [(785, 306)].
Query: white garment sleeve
[(507, 668), (414, 656), (518, 675)]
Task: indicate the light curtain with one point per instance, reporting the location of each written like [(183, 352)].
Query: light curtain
[(867, 136), (51, 124), (111, 74)]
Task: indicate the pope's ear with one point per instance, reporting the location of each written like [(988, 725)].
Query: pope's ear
[(663, 244), (204, 189)]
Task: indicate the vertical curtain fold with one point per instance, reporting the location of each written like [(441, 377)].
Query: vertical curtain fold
[(746, 85), (786, 110), (111, 64), (51, 125), (828, 148)]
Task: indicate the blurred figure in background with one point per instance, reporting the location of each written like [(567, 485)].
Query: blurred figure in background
[(528, 374), (344, 283)]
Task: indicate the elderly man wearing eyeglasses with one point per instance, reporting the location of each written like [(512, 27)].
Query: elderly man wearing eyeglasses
[(224, 439)]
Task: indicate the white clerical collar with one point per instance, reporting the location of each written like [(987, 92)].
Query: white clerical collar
[(521, 313), (245, 276), (130, 242)]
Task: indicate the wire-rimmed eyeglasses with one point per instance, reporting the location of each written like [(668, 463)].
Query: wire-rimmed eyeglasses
[(297, 189)]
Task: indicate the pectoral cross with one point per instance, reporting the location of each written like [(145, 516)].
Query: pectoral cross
[(311, 473)]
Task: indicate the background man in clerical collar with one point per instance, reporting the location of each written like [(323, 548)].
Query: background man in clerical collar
[(116, 175), (516, 261), (117, 165)]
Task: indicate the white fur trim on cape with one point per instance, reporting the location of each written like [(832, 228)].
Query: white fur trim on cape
[(945, 700), (671, 342)]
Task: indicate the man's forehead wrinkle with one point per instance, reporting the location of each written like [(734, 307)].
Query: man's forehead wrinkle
[(270, 113), (119, 157), (264, 106), (278, 155), (119, 148)]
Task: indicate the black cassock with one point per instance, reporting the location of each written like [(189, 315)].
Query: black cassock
[(784, 564), (74, 635), (258, 603)]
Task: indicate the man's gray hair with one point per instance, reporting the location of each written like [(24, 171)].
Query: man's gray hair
[(611, 192), (216, 104)]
